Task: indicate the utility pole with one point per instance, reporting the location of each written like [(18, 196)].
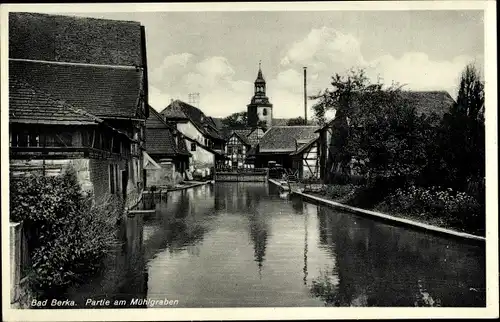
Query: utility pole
[(305, 95)]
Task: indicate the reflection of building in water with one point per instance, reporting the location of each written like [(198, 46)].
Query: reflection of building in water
[(297, 205), (259, 233), (239, 197), (134, 283)]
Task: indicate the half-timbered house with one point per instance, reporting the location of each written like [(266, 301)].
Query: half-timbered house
[(239, 142), (306, 160), (281, 145), (237, 147)]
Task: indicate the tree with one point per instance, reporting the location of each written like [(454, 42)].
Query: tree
[(461, 139), (296, 121), (366, 113), (470, 99), (236, 120)]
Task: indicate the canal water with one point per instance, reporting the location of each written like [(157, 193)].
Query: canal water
[(248, 245)]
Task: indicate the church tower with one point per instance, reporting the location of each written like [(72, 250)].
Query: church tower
[(260, 110)]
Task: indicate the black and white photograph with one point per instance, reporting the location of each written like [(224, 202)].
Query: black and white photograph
[(249, 160)]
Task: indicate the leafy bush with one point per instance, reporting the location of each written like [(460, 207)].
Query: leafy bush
[(343, 178), (68, 233), (372, 192), (455, 208), (336, 192)]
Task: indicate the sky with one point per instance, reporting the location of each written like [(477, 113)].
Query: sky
[(216, 54)]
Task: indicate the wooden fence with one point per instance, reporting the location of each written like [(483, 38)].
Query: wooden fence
[(241, 175)]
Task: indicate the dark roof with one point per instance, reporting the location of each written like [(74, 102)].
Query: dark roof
[(173, 113), (29, 105), (218, 122), (102, 91), (155, 121), (195, 115), (160, 138), (241, 134), (284, 139), (424, 102), (244, 132), (58, 38), (160, 141), (428, 102), (253, 137)]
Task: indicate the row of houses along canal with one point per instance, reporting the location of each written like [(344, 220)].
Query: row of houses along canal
[(250, 244)]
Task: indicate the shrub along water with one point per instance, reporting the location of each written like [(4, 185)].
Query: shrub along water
[(68, 233), (446, 207)]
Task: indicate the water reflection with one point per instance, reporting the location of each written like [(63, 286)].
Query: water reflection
[(259, 231), (381, 265), (243, 245), (124, 276)]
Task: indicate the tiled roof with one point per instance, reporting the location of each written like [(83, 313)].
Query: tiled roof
[(160, 141), (427, 102), (243, 132), (160, 138), (195, 115), (218, 122), (173, 113), (29, 105), (74, 39), (155, 121), (241, 135), (255, 135), (284, 139), (102, 91)]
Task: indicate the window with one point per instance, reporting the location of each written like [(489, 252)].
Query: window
[(229, 150), (240, 151), (116, 145), (22, 139), (264, 112), (34, 140), (193, 146), (112, 188), (86, 137)]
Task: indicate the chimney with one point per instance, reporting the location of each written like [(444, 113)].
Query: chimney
[(305, 95)]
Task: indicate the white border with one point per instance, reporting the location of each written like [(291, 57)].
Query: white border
[(492, 300)]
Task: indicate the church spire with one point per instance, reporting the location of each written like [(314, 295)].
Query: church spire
[(260, 78)]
